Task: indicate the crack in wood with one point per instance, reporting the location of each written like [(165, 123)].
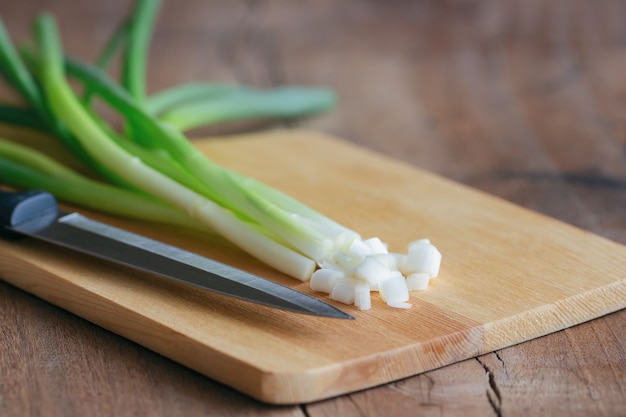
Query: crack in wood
[(357, 406), (431, 385), (305, 410), (493, 395)]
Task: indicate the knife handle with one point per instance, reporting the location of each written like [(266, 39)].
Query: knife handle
[(34, 208)]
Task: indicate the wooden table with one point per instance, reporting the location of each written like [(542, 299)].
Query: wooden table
[(521, 99)]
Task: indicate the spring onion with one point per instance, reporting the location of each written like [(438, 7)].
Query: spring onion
[(150, 170), (28, 168), (367, 266)]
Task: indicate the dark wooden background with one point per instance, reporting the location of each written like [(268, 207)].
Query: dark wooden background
[(522, 99)]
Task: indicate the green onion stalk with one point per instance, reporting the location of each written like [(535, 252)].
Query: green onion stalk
[(151, 170)]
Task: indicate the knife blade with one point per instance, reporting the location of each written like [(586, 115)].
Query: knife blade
[(36, 214)]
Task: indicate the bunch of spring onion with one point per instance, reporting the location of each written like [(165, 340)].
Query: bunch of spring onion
[(151, 171)]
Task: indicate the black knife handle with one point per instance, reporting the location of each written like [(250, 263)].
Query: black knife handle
[(33, 209)]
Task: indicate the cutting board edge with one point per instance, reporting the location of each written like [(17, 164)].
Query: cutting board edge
[(267, 386), (261, 378), (586, 306), (328, 381), (370, 371), (148, 332)]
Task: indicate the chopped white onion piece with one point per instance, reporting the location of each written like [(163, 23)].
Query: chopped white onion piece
[(423, 257), (400, 305), (346, 262), (387, 259), (359, 249), (343, 291), (359, 267), (323, 280), (417, 281), (376, 245), (371, 271), (362, 296), (330, 265), (418, 242), (400, 261), (394, 289)]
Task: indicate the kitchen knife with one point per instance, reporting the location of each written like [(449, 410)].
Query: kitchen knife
[(36, 214)]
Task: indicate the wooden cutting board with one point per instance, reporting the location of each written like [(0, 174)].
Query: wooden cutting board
[(508, 275)]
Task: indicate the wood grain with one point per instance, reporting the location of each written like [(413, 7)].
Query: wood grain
[(522, 99), (509, 275)]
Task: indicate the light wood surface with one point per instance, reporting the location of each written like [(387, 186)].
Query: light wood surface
[(509, 275), (520, 99)]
